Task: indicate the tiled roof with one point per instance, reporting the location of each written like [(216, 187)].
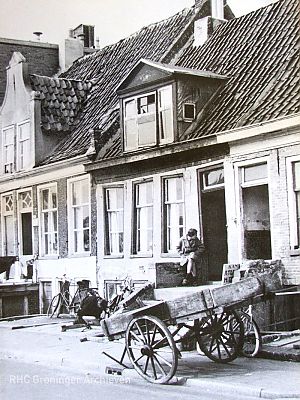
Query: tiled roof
[(258, 52), (61, 101), (107, 67), (261, 55)]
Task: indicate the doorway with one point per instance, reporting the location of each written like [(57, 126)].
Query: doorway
[(214, 231)]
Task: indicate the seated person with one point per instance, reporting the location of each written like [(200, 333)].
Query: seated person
[(190, 248)]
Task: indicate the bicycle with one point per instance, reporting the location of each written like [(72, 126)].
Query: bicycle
[(64, 299), (252, 337), (114, 304)]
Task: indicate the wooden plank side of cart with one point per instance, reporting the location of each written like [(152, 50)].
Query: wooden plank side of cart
[(194, 305), (115, 326)]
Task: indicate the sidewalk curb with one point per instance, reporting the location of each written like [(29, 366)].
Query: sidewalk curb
[(229, 388)]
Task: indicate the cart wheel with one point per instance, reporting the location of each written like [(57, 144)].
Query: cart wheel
[(54, 306), (252, 336), (151, 349), (220, 336)]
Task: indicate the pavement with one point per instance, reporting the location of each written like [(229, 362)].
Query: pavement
[(44, 341)]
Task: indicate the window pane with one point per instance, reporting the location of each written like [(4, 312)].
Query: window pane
[(86, 240), (76, 218), (54, 200), (297, 175), (84, 191), (45, 199), (130, 108), (75, 193), (255, 172), (215, 177)]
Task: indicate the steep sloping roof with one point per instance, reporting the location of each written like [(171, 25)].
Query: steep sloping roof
[(61, 101), (107, 67), (260, 52)]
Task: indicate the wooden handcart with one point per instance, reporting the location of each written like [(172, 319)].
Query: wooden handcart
[(152, 331)]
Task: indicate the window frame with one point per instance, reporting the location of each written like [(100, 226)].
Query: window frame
[(157, 135), (136, 207), (41, 213), (4, 146), (166, 226), (292, 204), (185, 118), (21, 166), (7, 213), (71, 224), (107, 230)]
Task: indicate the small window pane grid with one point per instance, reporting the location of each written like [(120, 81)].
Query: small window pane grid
[(144, 217), (189, 111), (49, 221), (140, 119), (8, 150), (80, 215), (174, 212), (213, 178), (114, 229), (296, 176), (24, 146)]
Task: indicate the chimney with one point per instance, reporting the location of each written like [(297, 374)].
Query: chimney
[(38, 35), (205, 26)]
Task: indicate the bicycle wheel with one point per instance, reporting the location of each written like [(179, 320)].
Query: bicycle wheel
[(252, 336), (54, 306)]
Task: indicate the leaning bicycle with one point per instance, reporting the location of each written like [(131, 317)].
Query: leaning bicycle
[(64, 301)]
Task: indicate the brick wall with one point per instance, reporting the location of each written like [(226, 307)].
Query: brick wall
[(42, 58)]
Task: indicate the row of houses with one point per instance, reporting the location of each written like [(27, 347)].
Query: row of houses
[(193, 121)]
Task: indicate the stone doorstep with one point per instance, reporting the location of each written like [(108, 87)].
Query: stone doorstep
[(277, 337)]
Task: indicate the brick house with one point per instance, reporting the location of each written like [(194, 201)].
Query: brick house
[(37, 111), (190, 122)]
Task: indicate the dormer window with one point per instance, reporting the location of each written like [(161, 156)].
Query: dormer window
[(148, 119)]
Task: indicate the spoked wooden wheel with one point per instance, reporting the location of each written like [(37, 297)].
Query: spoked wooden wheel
[(252, 336), (151, 349), (220, 336)]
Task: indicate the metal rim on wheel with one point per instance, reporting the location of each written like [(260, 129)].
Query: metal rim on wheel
[(220, 336), (252, 336), (54, 305), (151, 349)]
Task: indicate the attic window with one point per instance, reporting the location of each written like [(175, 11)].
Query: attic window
[(189, 111), (148, 119)]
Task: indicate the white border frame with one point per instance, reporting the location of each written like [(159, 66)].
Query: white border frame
[(292, 201)]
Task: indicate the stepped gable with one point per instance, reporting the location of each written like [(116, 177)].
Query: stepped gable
[(61, 101), (260, 54), (106, 68)]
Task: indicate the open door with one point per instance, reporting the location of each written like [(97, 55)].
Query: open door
[(212, 200)]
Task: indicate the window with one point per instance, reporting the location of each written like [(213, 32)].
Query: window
[(8, 225), (143, 218), (140, 119), (79, 216), (8, 150), (173, 215), (48, 213), (254, 173), (213, 178), (296, 174), (114, 220), (189, 111), (256, 211), (25, 222), (293, 169), (24, 155)]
